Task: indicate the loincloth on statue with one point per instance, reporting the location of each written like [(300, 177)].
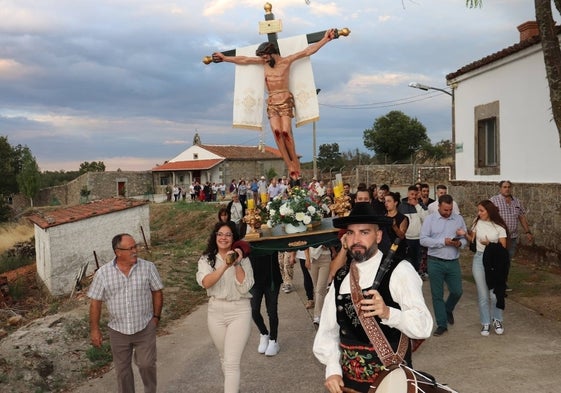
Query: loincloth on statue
[(282, 107)]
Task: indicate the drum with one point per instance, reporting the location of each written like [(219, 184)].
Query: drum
[(403, 379)]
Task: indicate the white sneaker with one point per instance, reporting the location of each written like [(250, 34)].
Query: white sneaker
[(288, 288), (263, 343), (498, 325), (316, 320), (485, 330), (273, 348)]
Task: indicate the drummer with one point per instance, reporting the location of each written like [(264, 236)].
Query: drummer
[(397, 305)]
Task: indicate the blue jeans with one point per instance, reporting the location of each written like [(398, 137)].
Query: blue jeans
[(487, 299), (441, 272)]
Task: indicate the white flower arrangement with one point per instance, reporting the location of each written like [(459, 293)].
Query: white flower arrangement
[(297, 208)]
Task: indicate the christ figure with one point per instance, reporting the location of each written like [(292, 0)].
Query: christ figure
[(280, 101)]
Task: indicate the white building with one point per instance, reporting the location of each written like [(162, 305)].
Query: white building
[(66, 239), (503, 120), (218, 164)]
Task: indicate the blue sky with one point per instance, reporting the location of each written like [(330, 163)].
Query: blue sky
[(122, 81)]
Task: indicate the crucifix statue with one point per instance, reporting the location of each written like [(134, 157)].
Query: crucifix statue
[(280, 75)]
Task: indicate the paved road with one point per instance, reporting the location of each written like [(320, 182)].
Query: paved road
[(525, 359)]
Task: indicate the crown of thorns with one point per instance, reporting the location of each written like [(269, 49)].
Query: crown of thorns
[(266, 48)]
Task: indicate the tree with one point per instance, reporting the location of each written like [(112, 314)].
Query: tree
[(93, 166), (551, 55), (28, 177), (56, 178), (8, 168), (551, 52), (395, 136), (329, 156), (435, 153), (355, 157)]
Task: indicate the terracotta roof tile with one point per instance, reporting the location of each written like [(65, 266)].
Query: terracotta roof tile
[(230, 152), (191, 165), (238, 152), (498, 55), (81, 212)]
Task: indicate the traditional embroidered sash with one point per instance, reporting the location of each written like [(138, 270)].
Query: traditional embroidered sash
[(381, 345)]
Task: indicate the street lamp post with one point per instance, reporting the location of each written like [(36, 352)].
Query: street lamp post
[(315, 156), (417, 85), (426, 88)]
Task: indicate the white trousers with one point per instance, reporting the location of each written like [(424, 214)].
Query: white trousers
[(229, 325)]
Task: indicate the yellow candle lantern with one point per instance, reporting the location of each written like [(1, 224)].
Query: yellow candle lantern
[(251, 204), (338, 190)]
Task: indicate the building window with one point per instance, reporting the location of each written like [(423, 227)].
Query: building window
[(195, 156), (164, 181), (487, 142), (487, 139)]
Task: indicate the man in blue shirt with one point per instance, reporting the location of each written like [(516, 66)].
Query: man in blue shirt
[(442, 233)]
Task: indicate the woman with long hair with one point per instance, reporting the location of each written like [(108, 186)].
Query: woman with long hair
[(224, 216), (227, 277), (399, 226), (488, 227)]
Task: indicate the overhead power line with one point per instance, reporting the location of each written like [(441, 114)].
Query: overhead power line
[(387, 104)]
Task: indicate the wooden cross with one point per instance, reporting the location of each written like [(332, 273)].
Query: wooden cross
[(272, 26), (280, 102)]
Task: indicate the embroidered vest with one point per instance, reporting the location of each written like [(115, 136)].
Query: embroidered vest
[(359, 360)]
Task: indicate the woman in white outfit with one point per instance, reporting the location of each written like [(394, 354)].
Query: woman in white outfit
[(488, 227), (227, 281)]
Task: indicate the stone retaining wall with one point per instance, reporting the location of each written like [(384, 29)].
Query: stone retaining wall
[(543, 211), (399, 175)]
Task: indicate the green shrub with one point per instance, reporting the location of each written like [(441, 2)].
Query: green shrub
[(11, 262), (17, 289), (101, 356)]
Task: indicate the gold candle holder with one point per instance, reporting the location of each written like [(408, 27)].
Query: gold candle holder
[(253, 220)]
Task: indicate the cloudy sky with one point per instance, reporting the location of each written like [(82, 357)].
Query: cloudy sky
[(121, 81)]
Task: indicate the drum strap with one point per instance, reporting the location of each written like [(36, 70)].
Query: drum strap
[(381, 345)]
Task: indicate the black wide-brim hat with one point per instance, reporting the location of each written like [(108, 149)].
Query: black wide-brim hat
[(362, 213)]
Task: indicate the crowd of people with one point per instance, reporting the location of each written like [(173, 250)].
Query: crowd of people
[(411, 240), (197, 191)]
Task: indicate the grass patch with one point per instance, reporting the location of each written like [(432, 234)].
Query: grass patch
[(12, 233), (77, 328), (12, 262), (18, 289), (100, 357)]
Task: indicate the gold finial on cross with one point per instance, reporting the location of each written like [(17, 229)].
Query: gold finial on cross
[(270, 25)]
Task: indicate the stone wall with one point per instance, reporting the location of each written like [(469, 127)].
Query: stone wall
[(543, 211), (400, 175), (104, 184), (100, 185), (66, 194)]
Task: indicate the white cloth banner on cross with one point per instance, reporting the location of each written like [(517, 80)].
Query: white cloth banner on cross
[(250, 85)]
